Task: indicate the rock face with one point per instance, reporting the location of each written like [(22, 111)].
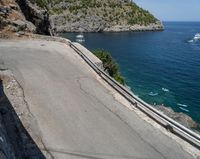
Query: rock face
[(60, 25), (180, 117), (36, 15), (151, 27), (18, 128), (12, 19), (23, 16), (6, 151)]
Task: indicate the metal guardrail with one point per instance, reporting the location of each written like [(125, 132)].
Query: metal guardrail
[(170, 124)]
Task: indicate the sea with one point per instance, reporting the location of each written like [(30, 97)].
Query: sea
[(160, 67)]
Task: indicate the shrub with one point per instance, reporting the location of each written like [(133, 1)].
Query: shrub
[(109, 65), (41, 3)]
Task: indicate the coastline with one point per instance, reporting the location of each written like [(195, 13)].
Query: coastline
[(181, 118), (130, 100), (59, 26), (135, 28), (73, 28)]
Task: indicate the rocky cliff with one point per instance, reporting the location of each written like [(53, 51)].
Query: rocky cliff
[(19, 132), (100, 15), (20, 16), (39, 17), (46, 16)]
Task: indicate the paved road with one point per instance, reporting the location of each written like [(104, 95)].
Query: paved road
[(77, 116)]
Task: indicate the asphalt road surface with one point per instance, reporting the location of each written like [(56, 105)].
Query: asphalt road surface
[(77, 116)]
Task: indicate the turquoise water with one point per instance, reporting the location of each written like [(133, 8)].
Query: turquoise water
[(160, 67)]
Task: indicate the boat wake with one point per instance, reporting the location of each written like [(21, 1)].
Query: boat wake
[(182, 105), (80, 38), (153, 94), (186, 110), (195, 38)]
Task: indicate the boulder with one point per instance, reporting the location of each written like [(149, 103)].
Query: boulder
[(20, 24), (23, 25), (37, 16)]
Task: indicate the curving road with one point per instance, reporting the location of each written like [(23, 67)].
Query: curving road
[(77, 116)]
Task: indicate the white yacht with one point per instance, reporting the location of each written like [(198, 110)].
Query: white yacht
[(80, 36), (197, 36)]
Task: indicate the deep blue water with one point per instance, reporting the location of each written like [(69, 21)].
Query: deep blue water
[(164, 63)]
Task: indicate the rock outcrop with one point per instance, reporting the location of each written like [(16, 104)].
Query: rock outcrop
[(179, 117), (39, 17), (60, 25), (19, 132), (6, 151), (22, 16), (12, 19)]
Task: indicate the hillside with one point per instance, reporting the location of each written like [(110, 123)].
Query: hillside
[(48, 16), (98, 15)]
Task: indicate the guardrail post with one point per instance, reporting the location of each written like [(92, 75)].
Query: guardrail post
[(169, 128), (135, 104)]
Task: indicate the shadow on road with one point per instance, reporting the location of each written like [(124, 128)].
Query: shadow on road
[(15, 141)]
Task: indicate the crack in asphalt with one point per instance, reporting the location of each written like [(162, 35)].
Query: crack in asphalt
[(89, 155), (99, 101)]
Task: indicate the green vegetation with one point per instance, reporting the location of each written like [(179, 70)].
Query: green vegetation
[(139, 16), (109, 65), (110, 11), (42, 3)]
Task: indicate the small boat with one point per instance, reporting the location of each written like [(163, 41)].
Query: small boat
[(80, 36), (197, 36)]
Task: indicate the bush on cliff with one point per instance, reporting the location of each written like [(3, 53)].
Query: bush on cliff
[(109, 65), (42, 3)]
